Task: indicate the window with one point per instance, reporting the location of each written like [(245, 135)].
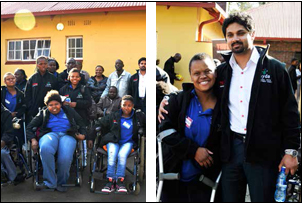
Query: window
[(75, 47), (27, 50)]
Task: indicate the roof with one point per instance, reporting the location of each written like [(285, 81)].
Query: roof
[(212, 7), (8, 9), (277, 20)]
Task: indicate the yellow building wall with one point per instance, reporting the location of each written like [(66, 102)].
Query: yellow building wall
[(177, 29), (111, 36)]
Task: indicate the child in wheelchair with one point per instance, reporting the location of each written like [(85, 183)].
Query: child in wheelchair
[(8, 168), (119, 134)]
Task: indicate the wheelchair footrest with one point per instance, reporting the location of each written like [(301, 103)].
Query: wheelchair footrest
[(100, 192), (68, 185), (98, 175)]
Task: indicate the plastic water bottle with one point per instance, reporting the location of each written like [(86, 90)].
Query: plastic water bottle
[(280, 194), (68, 100)]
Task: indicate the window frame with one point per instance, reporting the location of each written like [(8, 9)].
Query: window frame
[(75, 48)]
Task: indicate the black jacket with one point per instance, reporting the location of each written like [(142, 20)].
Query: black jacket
[(82, 96), (133, 90), (22, 86), (111, 127), (177, 147), (6, 125), (293, 76), (21, 107), (41, 121), (273, 123), (63, 79), (169, 68), (36, 89)]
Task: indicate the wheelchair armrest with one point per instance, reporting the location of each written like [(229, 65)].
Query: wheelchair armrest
[(34, 129), (141, 131)]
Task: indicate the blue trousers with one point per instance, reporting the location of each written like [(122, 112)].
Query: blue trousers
[(236, 174), (7, 164), (64, 146), (117, 153)]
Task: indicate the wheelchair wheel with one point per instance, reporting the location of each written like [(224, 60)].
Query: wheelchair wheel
[(135, 191)]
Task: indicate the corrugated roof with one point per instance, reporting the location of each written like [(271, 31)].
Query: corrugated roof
[(277, 20), (8, 9)]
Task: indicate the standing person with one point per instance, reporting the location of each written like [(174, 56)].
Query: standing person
[(37, 86), (109, 104), (169, 67), (13, 99), (119, 78), (260, 118), (20, 79), (292, 73), (97, 83), (79, 66), (63, 77), (195, 145), (137, 86), (53, 66)]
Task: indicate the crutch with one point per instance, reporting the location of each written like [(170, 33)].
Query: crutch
[(163, 176)]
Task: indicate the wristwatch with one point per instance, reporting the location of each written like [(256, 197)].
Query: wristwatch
[(292, 152)]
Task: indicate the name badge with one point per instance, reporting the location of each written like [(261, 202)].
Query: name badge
[(6, 101), (126, 125), (189, 122)]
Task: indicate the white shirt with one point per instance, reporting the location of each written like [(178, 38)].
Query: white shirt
[(240, 92), (121, 83), (142, 85)]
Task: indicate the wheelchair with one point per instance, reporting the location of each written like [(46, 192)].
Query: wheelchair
[(294, 184), (77, 166), (98, 167), (161, 176)]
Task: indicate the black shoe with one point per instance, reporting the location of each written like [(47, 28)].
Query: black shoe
[(19, 179), (120, 186), (62, 189), (42, 186), (109, 187), (3, 178)]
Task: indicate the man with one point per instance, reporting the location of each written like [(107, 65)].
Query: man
[(120, 79), (169, 67), (79, 66), (260, 118), (63, 77), (137, 86), (292, 72)]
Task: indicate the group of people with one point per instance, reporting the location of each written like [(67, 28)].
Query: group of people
[(59, 106), (240, 118)]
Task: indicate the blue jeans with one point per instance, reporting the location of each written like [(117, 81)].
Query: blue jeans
[(62, 144), (120, 154), (7, 164)]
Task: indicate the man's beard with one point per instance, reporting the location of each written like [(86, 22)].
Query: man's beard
[(238, 50)]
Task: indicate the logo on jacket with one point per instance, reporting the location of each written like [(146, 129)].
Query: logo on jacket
[(48, 84), (35, 84), (114, 122), (221, 84), (135, 80), (80, 96), (265, 77)]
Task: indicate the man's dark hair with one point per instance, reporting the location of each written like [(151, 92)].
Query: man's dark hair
[(141, 59), (54, 60), (22, 72), (128, 98), (241, 18), (199, 57), (114, 88), (294, 59)]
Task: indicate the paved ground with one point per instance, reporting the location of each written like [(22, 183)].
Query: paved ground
[(24, 192)]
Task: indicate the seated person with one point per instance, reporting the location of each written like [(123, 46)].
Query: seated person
[(119, 133), (8, 168), (109, 103), (58, 134)]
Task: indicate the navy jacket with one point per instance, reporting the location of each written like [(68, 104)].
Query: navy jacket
[(273, 123)]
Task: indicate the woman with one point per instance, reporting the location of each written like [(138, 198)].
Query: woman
[(58, 134), (53, 66), (13, 99), (97, 83), (20, 79), (194, 149), (120, 135)]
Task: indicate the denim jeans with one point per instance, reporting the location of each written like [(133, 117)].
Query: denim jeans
[(7, 164), (120, 154), (62, 144)]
